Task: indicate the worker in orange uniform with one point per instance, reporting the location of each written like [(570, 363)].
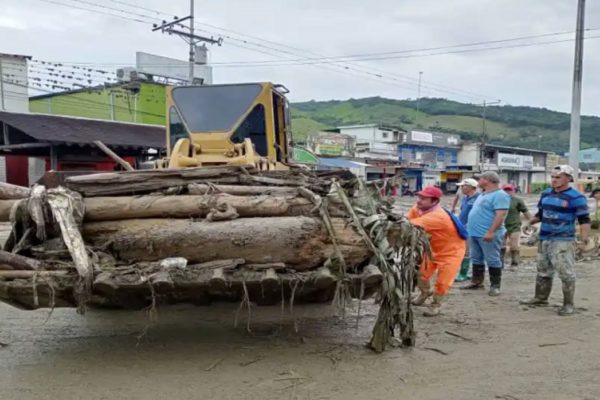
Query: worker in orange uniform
[(447, 247)]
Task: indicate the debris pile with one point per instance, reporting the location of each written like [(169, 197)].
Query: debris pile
[(138, 239)]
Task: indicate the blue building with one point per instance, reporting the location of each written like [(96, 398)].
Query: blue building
[(426, 156)]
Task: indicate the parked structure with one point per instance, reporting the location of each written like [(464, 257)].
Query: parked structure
[(66, 143), (590, 159)]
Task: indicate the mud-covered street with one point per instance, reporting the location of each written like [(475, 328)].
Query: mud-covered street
[(480, 348)]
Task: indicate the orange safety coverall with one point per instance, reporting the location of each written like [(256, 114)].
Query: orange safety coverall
[(447, 247)]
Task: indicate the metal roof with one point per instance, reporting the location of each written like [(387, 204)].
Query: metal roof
[(73, 130), (18, 56), (340, 163)]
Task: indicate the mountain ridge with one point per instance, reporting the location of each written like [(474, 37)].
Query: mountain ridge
[(519, 126)]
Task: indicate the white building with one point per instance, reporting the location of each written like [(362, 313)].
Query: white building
[(517, 165), (377, 145), (14, 95)]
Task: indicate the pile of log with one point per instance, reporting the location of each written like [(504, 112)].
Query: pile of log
[(136, 239)]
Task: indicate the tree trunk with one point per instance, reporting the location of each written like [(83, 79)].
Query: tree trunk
[(117, 208), (300, 242), (241, 190), (8, 191)]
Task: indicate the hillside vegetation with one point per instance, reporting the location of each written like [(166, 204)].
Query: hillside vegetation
[(509, 125)]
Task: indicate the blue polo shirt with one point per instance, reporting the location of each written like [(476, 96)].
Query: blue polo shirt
[(558, 212), (484, 211), (466, 205)]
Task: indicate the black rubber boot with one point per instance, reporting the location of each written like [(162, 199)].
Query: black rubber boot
[(543, 287), (495, 281), (515, 258), (477, 278), (568, 298)]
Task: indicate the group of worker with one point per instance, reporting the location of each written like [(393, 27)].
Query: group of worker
[(489, 224)]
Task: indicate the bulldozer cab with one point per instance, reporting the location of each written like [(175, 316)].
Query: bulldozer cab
[(233, 124)]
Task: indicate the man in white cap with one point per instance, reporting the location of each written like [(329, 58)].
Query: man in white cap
[(468, 188), (558, 209)]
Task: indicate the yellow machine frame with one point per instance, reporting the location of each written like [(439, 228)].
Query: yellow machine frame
[(217, 148)]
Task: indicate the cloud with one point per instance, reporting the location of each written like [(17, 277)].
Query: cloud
[(537, 76)]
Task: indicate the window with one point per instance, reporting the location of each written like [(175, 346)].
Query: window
[(253, 128), (176, 128), (214, 108), (384, 134)]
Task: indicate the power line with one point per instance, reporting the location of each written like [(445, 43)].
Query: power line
[(338, 68)]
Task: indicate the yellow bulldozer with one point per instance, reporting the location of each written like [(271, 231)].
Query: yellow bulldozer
[(232, 124)]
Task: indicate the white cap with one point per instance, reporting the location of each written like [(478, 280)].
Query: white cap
[(469, 182), (564, 169)]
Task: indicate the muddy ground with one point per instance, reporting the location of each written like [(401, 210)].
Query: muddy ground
[(507, 352)]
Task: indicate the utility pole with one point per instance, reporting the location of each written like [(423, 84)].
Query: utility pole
[(2, 86), (576, 99), (418, 96), (189, 37), (192, 58), (484, 133)]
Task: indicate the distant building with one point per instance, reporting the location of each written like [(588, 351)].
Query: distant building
[(516, 165), (427, 155), (14, 97), (377, 146), (589, 159)]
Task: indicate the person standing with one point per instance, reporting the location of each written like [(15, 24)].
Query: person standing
[(558, 209), (513, 226), (486, 232), (468, 188), (447, 248)]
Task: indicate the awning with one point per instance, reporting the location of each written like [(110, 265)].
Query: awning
[(340, 163)]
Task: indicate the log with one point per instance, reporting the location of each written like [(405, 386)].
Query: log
[(8, 191), (301, 242), (5, 207), (18, 262), (241, 190), (126, 166), (21, 274), (117, 208), (142, 181)]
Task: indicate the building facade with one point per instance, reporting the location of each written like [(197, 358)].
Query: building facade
[(426, 156), (377, 146), (519, 166), (136, 101)]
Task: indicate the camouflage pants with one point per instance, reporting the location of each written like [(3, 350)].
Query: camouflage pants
[(557, 256)]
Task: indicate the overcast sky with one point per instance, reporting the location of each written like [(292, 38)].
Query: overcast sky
[(534, 75)]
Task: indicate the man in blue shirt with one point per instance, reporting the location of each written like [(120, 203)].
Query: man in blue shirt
[(558, 209), (468, 187), (486, 232)]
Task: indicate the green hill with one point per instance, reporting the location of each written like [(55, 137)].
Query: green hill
[(509, 125)]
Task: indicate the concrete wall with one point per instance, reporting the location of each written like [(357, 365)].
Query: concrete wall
[(469, 155), (116, 103), (14, 76)]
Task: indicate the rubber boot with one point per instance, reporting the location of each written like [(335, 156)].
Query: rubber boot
[(463, 275), (543, 287), (515, 256), (435, 307), (425, 293), (495, 281), (477, 278), (568, 297)]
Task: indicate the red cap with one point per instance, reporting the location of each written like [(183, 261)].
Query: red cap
[(508, 186), (431, 191)]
